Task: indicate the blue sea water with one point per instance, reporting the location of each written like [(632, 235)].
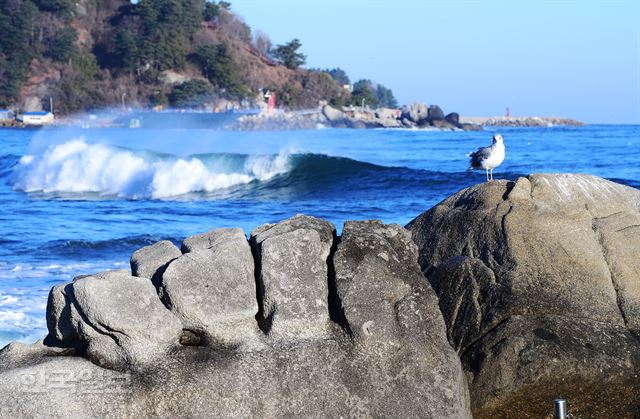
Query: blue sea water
[(78, 201)]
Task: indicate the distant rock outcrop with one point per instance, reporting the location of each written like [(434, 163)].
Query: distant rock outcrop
[(416, 115), (348, 328), (539, 284)]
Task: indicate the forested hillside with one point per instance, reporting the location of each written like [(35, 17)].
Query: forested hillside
[(87, 54)]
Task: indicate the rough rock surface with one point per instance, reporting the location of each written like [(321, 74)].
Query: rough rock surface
[(539, 284), (435, 113), (453, 118), (418, 113), (334, 115), (151, 261), (114, 319), (292, 284), (211, 288), (366, 336)]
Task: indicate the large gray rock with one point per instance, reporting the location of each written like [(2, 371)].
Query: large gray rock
[(539, 284), (392, 312), (378, 349), (212, 239), (212, 287), (151, 261), (116, 320), (453, 118), (418, 113), (292, 282), (435, 113), (333, 115)]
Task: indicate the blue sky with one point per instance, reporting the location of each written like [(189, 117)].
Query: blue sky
[(577, 59)]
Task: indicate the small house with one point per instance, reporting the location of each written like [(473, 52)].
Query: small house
[(37, 118), (6, 115)]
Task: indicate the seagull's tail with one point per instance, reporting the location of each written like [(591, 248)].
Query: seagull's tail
[(470, 155)]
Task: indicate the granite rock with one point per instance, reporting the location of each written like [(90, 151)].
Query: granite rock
[(548, 253)]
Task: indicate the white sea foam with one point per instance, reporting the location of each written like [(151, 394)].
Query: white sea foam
[(77, 166)]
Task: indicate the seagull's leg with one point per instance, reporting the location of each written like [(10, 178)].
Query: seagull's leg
[(491, 174), (487, 170)]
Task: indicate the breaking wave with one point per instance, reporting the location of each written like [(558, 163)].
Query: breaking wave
[(80, 167)]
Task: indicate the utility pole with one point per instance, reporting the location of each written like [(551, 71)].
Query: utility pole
[(124, 109), (51, 104)]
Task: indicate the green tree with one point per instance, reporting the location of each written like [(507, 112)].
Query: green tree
[(190, 93), (386, 97), (211, 11), (218, 66), (16, 24), (126, 50), (364, 93), (63, 8), (166, 28), (338, 75), (63, 46), (373, 95), (288, 54)]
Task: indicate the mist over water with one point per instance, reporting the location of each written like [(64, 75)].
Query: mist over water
[(78, 201)]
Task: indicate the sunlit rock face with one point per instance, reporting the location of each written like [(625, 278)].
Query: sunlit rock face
[(539, 285), (294, 321)]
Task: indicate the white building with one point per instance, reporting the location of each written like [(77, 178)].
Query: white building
[(6, 114), (37, 118)]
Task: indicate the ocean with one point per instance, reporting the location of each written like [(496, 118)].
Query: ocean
[(78, 201)]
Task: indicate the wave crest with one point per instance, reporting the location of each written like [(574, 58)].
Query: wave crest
[(80, 167)]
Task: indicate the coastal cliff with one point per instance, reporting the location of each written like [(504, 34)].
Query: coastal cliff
[(493, 303)]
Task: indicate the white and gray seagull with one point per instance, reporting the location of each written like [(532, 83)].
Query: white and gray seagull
[(488, 158)]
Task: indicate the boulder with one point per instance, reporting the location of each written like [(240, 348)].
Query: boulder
[(435, 113), (151, 261), (211, 288), (389, 310), (292, 282), (366, 338), (540, 292), (388, 118), (417, 113), (387, 113), (333, 115), (114, 319), (212, 239), (453, 118)]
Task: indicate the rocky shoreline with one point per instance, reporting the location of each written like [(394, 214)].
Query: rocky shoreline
[(499, 299), (416, 115)]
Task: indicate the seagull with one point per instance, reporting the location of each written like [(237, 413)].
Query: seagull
[(488, 158)]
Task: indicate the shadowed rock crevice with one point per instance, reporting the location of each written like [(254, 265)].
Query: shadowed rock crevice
[(614, 283), (264, 320), (336, 310)]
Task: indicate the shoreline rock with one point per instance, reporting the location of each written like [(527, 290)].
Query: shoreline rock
[(415, 116), (539, 284), (494, 302), (349, 328)]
